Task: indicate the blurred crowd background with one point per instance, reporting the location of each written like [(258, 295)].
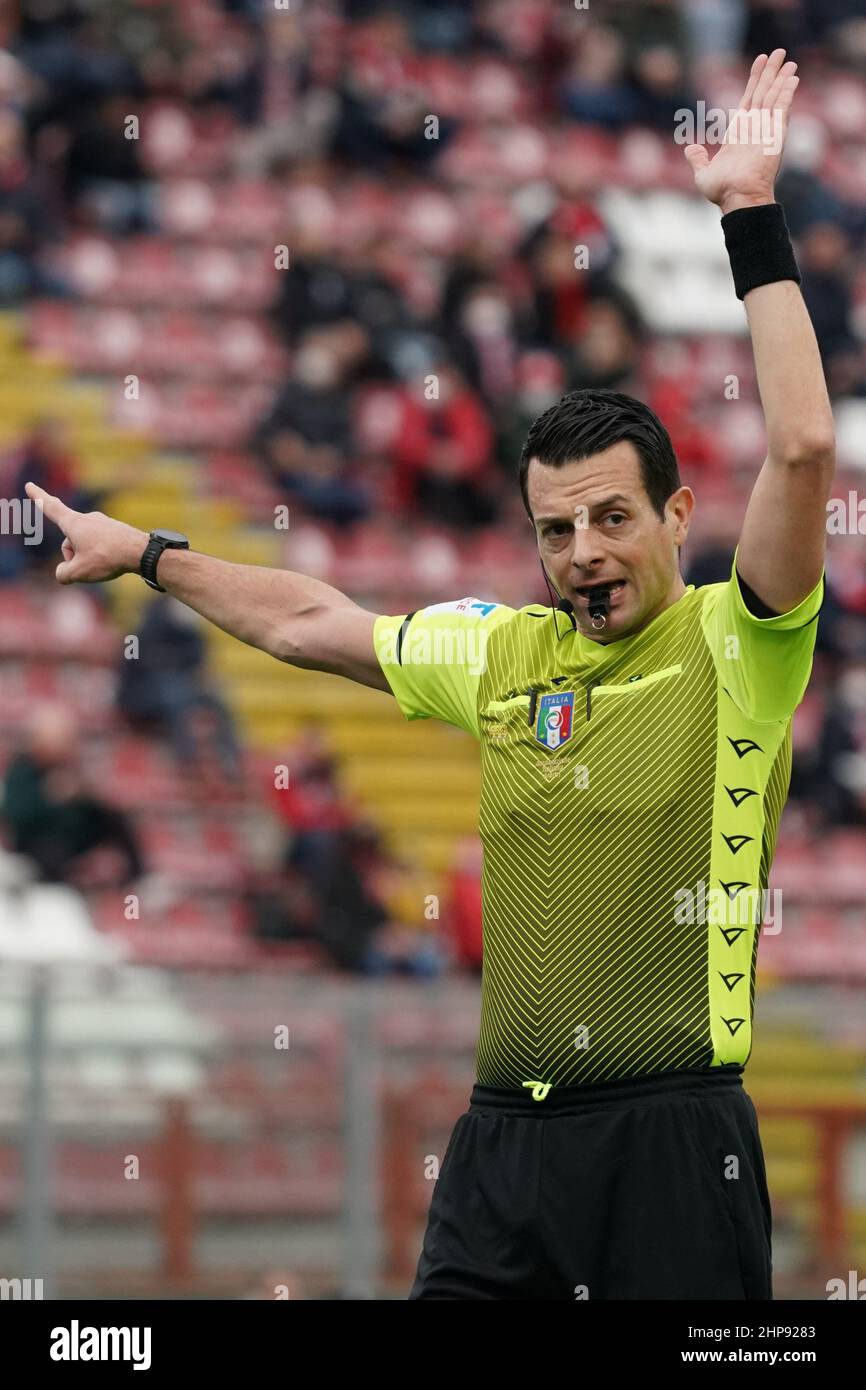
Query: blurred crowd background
[(238, 242)]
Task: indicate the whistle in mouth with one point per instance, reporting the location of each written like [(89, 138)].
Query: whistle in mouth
[(599, 607)]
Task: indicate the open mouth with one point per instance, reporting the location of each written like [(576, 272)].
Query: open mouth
[(586, 592)]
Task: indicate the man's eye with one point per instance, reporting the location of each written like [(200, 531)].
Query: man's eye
[(558, 530), (616, 517)]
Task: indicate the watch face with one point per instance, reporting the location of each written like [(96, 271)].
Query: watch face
[(170, 537)]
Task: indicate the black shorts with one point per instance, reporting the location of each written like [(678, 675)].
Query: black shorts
[(648, 1188)]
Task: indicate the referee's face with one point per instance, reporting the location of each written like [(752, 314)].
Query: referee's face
[(595, 524)]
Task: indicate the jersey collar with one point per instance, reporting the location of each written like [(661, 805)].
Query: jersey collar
[(593, 653)]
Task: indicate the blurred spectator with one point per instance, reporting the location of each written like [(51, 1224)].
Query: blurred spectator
[(826, 267), (842, 625), (479, 261), (346, 288), (228, 73), (335, 877), (80, 53), (714, 27), (167, 685), (350, 908), (444, 25), (28, 218), (484, 342), (606, 352), (104, 178), (841, 792), (355, 926), (382, 100), (656, 42), (540, 383), (647, 25), (442, 451), (774, 24), (799, 188), (277, 901), (569, 258), (662, 89), (306, 435), (286, 112), (52, 816), (280, 906), (44, 457), (801, 24), (595, 89), (312, 806)]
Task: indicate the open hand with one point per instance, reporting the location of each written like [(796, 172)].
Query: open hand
[(743, 170)]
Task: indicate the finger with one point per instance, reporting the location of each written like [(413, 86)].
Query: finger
[(52, 507), (772, 98), (697, 157), (68, 571), (768, 76), (786, 96), (780, 112), (757, 69)]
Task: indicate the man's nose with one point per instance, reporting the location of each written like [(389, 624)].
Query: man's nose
[(587, 551)]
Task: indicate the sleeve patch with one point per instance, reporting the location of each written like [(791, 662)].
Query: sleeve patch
[(476, 606)]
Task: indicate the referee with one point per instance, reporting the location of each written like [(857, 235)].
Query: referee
[(635, 742)]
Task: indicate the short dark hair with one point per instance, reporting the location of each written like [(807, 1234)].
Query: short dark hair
[(589, 421)]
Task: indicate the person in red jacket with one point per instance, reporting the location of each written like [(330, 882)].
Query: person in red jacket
[(442, 452), (312, 806)]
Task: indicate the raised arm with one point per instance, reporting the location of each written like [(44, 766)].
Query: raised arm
[(782, 544), (293, 617)]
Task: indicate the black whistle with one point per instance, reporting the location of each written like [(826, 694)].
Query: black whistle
[(599, 607)]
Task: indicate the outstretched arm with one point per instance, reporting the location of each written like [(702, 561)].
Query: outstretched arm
[(293, 617), (781, 549)]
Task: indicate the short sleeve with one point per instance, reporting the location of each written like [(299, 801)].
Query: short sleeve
[(763, 663), (434, 658)]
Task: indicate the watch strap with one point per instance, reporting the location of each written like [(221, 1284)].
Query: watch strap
[(158, 541), (149, 561)]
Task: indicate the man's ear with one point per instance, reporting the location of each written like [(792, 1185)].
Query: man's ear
[(679, 508)]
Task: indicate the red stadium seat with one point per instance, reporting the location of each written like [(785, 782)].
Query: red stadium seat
[(248, 211), (20, 621), (133, 772), (239, 476), (150, 271)]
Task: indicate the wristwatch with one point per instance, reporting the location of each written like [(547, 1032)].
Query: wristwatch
[(158, 542)]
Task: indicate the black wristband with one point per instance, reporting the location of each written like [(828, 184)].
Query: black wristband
[(759, 247)]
